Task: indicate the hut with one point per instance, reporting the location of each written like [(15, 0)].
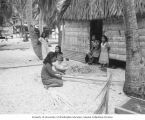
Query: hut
[(84, 18)]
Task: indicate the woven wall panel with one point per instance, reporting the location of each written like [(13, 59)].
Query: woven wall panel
[(123, 39), (117, 57), (120, 51), (113, 27), (117, 44), (115, 33), (76, 40), (141, 23), (73, 55), (141, 32), (116, 39), (76, 24)]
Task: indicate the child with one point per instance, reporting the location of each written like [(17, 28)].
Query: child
[(104, 55), (59, 65), (93, 55), (95, 50), (45, 45)]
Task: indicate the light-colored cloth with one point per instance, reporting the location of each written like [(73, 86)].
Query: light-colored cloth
[(45, 46), (60, 66), (104, 55)]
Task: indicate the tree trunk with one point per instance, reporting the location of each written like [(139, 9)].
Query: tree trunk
[(21, 29), (21, 19), (33, 36), (22, 24), (135, 71), (40, 22), (59, 34)]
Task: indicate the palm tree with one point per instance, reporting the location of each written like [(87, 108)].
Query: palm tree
[(5, 10), (34, 33), (46, 9), (20, 6), (48, 14), (51, 12), (135, 70), (5, 13)]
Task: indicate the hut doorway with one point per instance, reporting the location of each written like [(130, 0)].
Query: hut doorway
[(96, 28)]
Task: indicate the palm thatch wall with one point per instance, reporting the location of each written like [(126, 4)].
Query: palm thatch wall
[(75, 41), (96, 9), (115, 31), (81, 12)]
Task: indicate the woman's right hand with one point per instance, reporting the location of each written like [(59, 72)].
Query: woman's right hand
[(60, 76)]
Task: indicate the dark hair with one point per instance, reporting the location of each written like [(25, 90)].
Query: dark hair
[(37, 32), (43, 35), (105, 37), (59, 49), (49, 58)]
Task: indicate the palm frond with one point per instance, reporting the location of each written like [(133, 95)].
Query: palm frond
[(52, 10), (6, 8), (62, 6), (97, 9)]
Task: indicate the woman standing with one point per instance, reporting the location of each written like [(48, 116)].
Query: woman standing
[(49, 77), (104, 55), (44, 44)]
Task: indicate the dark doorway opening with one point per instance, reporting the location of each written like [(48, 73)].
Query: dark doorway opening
[(96, 28), (117, 64)]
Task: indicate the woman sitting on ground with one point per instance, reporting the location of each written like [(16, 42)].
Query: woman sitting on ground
[(93, 55), (58, 51), (49, 77)]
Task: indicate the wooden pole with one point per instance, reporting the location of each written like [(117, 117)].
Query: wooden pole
[(86, 78)]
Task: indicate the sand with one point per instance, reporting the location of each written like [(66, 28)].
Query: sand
[(21, 89)]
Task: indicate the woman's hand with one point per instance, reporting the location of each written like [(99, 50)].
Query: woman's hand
[(61, 73), (59, 76)]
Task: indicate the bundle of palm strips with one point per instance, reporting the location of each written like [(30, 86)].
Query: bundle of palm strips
[(79, 69)]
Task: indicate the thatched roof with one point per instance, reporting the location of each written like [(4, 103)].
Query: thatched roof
[(97, 9)]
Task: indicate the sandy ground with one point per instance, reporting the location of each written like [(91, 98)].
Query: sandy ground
[(21, 90)]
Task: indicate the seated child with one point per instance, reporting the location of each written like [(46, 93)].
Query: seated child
[(59, 65)]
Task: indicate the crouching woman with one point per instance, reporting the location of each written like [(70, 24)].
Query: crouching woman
[(49, 77)]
